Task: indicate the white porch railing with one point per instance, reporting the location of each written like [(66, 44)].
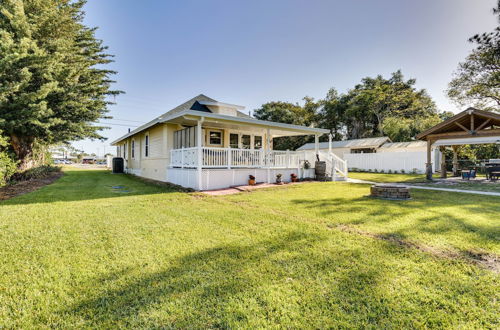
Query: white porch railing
[(336, 167), (238, 158)]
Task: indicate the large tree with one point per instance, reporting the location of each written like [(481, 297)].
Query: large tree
[(477, 80), (378, 99), (53, 84), (289, 113)]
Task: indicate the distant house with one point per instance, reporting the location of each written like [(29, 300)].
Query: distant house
[(367, 145), (207, 144), (89, 160)]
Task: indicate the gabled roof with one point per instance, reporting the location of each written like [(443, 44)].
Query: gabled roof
[(462, 121), (197, 107), (197, 103), (353, 144)]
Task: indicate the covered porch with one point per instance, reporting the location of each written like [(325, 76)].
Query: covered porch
[(211, 151), (211, 141)]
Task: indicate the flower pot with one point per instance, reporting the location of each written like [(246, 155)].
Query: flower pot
[(295, 179), (251, 182)]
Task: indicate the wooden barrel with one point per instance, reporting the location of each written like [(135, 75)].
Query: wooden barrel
[(320, 169)]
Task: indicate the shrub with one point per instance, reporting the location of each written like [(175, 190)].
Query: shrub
[(35, 173), (414, 171), (390, 171), (7, 168), (402, 171), (7, 165)]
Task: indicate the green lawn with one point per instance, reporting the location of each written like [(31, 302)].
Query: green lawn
[(388, 178), (420, 180), (80, 253)]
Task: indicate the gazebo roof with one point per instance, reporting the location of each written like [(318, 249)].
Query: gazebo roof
[(468, 123)]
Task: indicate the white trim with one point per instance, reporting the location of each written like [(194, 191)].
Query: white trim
[(215, 130), (220, 104), (241, 120), (471, 140)]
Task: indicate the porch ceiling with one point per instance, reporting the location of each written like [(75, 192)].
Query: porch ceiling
[(190, 118)]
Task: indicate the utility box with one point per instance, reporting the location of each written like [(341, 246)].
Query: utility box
[(117, 165)]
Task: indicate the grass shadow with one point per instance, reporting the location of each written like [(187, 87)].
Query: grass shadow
[(215, 280), (79, 185)]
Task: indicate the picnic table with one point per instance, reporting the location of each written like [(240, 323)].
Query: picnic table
[(494, 175)]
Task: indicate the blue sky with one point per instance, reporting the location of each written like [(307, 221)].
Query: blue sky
[(252, 52)]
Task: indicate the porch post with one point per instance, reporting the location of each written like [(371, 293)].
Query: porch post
[(428, 166), (199, 151), (268, 154), (316, 145), (455, 160), (330, 137), (443, 161)]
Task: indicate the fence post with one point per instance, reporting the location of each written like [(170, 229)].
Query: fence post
[(334, 168), (288, 158), (229, 158), (182, 157)]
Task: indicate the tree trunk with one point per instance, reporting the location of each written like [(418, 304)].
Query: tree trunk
[(23, 148)]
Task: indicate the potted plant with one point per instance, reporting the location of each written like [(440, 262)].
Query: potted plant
[(278, 178), (251, 180), (307, 165), (293, 177)]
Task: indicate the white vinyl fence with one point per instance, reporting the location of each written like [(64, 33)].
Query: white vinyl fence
[(385, 161)]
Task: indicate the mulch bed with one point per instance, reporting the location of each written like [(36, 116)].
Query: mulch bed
[(24, 187)]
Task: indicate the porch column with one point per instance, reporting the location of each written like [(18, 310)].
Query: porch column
[(443, 162), (330, 137), (455, 160), (316, 145), (268, 154), (199, 134), (428, 165)]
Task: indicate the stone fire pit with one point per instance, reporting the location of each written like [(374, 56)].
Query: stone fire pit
[(390, 191)]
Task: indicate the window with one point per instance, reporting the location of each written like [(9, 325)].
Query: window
[(146, 146), (132, 147), (257, 142), (185, 138), (245, 141), (234, 140), (215, 138)]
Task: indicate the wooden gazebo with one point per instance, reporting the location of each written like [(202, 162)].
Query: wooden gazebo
[(471, 126)]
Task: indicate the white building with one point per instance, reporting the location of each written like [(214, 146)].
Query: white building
[(380, 154)]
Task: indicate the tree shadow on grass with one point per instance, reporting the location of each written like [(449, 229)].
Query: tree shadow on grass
[(205, 289), (89, 185), (430, 215)]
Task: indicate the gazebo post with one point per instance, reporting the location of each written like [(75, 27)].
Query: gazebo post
[(428, 165), (443, 162), (455, 160)]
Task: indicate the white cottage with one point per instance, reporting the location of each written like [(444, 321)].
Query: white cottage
[(205, 144)]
